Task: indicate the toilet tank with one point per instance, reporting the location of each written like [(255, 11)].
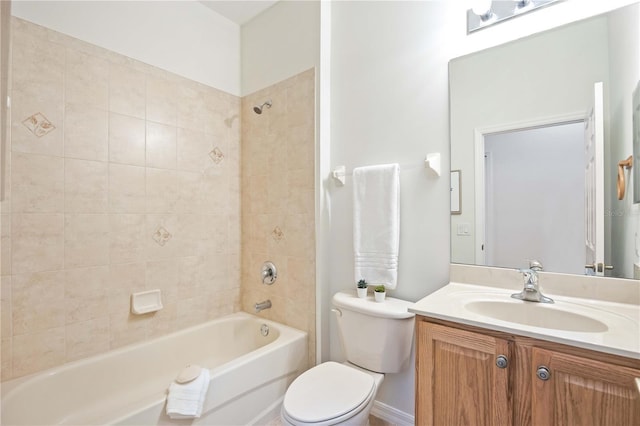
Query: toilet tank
[(375, 335)]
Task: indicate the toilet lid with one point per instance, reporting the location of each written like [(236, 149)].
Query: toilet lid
[(327, 391)]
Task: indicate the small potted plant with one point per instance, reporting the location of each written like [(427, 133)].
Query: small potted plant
[(379, 292), (362, 289)]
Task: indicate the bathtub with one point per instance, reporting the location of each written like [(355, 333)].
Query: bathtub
[(249, 376)]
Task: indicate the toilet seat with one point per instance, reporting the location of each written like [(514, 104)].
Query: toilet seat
[(329, 392)]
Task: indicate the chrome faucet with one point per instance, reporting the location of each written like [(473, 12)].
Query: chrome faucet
[(261, 306), (531, 291)]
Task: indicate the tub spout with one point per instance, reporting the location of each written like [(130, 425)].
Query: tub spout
[(263, 305)]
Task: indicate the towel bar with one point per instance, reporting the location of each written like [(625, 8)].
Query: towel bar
[(432, 162)]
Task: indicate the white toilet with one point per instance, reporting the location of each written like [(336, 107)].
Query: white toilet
[(376, 338)]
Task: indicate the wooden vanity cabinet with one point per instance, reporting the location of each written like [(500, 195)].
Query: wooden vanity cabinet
[(462, 379)]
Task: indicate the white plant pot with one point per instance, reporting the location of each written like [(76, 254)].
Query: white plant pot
[(362, 293), (379, 296)]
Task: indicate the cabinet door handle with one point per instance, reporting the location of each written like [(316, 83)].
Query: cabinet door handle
[(502, 361), (543, 373)]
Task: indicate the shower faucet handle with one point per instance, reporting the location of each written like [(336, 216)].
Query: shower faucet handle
[(269, 273)]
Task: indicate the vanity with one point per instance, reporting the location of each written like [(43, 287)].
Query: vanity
[(485, 358)]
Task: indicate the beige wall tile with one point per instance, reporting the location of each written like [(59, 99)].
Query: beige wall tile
[(162, 191), (215, 273), (6, 358), (86, 131), (163, 321), (165, 276), (5, 204), (126, 189), (6, 329), (38, 351), (38, 183), (86, 240), (124, 279), (190, 312), (193, 149), (161, 96), (277, 193), (37, 242), (126, 140), (127, 90), (126, 329), (300, 236), (85, 186), (46, 115), (86, 80), (87, 338), (214, 193), (189, 234), (300, 191), (127, 238), (5, 244), (161, 146), (163, 239), (213, 234), (37, 87), (190, 107), (300, 147), (37, 301), (190, 272), (189, 188), (85, 294), (234, 232)]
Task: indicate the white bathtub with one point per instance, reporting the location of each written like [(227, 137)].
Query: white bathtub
[(249, 376)]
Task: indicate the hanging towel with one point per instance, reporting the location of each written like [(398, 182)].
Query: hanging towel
[(185, 401), (376, 223)]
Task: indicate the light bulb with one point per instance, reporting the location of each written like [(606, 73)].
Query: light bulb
[(481, 7), (522, 5)]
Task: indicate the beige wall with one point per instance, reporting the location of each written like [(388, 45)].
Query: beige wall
[(278, 149), (132, 154)]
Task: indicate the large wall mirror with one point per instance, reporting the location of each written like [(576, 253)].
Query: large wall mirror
[(538, 127)]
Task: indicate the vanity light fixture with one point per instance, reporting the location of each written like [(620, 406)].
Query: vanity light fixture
[(485, 13)]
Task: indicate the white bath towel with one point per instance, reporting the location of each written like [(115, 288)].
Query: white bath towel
[(376, 223), (185, 401)]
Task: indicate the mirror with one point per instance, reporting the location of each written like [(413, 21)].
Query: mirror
[(520, 118)]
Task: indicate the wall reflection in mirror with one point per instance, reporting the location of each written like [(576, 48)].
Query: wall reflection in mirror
[(538, 127)]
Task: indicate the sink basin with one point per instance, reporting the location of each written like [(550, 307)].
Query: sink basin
[(537, 315)]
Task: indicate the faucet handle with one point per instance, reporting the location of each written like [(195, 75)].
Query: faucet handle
[(535, 265)]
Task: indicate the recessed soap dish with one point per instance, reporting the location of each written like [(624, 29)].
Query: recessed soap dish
[(145, 302)]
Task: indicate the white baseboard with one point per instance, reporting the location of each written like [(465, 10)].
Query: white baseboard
[(392, 415)]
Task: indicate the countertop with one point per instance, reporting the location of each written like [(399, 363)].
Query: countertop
[(615, 330)]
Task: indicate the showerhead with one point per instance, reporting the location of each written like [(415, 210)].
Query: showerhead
[(258, 109)]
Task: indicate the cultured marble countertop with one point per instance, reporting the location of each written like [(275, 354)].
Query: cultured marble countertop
[(616, 328)]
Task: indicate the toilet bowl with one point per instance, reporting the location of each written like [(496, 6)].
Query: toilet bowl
[(377, 339), (330, 394)]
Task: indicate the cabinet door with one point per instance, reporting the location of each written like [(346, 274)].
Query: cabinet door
[(457, 379), (581, 391)]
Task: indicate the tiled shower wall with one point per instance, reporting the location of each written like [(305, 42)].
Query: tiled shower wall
[(278, 224), (123, 178)]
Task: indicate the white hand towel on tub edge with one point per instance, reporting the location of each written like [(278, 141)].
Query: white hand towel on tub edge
[(185, 401), (376, 223)]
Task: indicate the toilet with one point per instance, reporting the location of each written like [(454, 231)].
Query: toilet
[(376, 338)]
